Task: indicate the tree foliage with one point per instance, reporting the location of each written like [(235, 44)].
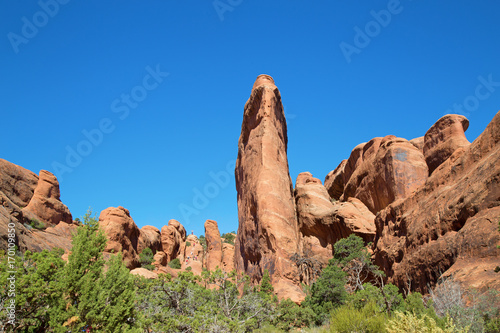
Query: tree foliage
[(146, 258)]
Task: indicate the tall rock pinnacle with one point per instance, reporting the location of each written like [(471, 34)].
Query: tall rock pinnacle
[(268, 231)]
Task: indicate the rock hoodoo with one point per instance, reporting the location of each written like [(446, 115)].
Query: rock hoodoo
[(122, 234), (46, 201), (214, 245), (443, 138), (267, 234)]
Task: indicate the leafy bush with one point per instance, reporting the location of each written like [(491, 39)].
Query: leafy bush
[(146, 258), (229, 238), (188, 244), (39, 225), (175, 264), (347, 318), (411, 323), (326, 293), (189, 269), (203, 241), (291, 315)]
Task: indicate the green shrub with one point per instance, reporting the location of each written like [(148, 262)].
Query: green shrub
[(189, 268), (411, 323), (347, 318), (229, 238), (39, 225), (326, 293), (175, 264), (188, 244), (203, 241), (146, 258)]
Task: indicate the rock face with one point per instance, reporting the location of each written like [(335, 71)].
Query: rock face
[(449, 225), (443, 138), (173, 236), (17, 183), (387, 169), (46, 201), (122, 234), (267, 233), (214, 245), (149, 237), (227, 257), (17, 191), (334, 181), (322, 223)]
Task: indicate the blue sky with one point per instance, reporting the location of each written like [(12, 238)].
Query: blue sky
[(159, 88)]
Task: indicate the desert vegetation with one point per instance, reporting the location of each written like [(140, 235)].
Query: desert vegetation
[(349, 295)]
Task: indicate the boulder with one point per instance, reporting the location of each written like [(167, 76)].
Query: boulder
[(144, 273), (267, 235), (122, 234)]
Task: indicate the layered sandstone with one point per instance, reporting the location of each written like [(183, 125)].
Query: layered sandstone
[(449, 225), (267, 234)]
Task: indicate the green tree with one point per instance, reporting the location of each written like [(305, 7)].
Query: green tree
[(228, 238), (146, 257), (175, 263), (352, 256), (291, 316), (37, 285), (266, 287), (327, 293), (90, 297), (114, 310)]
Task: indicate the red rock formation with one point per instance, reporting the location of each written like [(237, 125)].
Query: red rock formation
[(160, 259), (449, 225), (267, 233), (391, 169), (173, 236), (17, 183), (17, 190), (149, 237), (144, 273), (334, 181), (122, 234), (322, 223), (443, 138), (46, 201), (418, 143), (214, 245), (227, 261)]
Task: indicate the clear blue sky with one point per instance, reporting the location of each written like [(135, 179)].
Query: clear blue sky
[(70, 68)]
